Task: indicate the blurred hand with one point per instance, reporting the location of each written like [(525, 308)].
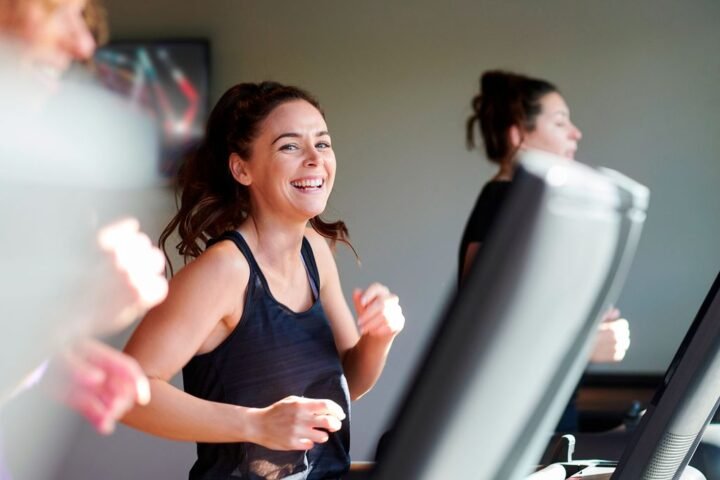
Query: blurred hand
[(613, 338), (296, 423), (97, 381), (135, 277), (379, 312)]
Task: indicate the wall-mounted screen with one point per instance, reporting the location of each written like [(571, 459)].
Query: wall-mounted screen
[(169, 79)]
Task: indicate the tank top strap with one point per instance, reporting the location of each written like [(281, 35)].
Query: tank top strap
[(306, 255), (240, 243), (257, 280), (311, 267)]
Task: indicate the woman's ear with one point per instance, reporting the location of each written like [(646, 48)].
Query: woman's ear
[(239, 170), (516, 137)]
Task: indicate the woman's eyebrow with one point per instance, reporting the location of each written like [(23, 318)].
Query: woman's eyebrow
[(297, 135), (285, 135)]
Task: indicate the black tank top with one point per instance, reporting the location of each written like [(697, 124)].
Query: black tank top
[(272, 353)]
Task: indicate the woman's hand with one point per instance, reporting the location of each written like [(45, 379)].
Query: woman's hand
[(613, 338), (379, 312), (134, 274), (98, 382), (295, 423)]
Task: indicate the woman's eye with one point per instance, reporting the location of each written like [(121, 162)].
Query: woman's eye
[(289, 147), (322, 145)]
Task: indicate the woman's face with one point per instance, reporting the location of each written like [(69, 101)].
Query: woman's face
[(292, 166), (553, 132), (54, 33)]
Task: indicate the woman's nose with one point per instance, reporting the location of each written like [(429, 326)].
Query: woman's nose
[(79, 41), (313, 157), (576, 133)]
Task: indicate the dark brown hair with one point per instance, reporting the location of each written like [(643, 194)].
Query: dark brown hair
[(505, 99), (211, 200)]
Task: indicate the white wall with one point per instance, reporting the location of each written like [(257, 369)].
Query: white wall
[(396, 79)]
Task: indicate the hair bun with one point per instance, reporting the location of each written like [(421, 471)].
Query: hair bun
[(498, 84)]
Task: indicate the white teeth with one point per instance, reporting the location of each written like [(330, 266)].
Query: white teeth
[(305, 183)]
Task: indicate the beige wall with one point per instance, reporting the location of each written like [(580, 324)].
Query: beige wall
[(395, 79)]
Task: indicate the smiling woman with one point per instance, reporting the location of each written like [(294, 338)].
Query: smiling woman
[(213, 199), (295, 148), (270, 353)]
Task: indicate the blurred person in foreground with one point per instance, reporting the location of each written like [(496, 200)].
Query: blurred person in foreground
[(66, 277)]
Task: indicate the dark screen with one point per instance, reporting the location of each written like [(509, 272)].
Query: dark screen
[(167, 79)]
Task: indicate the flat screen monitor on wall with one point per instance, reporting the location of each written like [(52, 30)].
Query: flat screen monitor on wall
[(514, 341), (169, 79), (678, 414)]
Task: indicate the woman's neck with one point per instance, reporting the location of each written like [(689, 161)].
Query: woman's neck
[(275, 244), (506, 170)]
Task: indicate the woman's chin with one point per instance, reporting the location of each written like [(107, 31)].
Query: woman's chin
[(308, 213)]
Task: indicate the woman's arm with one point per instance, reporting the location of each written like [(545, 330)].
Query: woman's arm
[(380, 319), (172, 333), (293, 423), (472, 250), (196, 316)]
